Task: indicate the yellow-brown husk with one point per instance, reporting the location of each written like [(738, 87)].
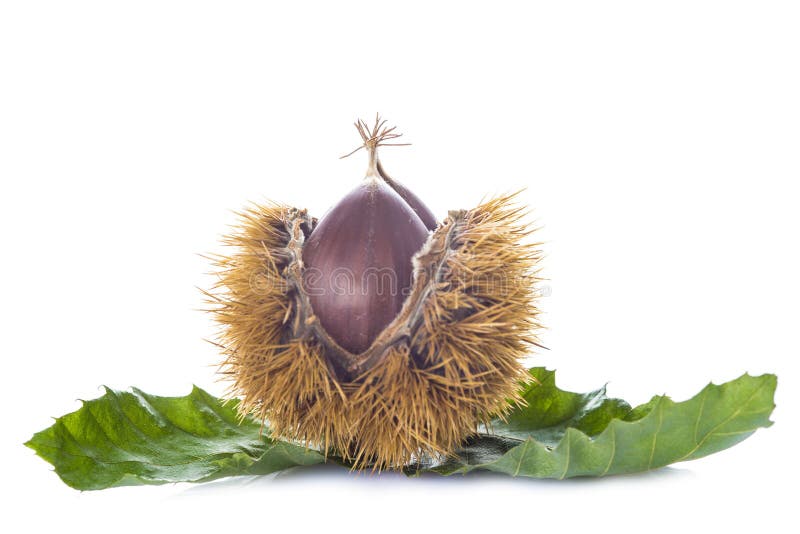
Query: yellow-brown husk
[(454, 363)]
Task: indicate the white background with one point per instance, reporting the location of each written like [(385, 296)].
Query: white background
[(658, 143)]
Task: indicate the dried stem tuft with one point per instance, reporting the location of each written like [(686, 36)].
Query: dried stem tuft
[(377, 136)]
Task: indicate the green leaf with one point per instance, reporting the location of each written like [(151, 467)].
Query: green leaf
[(128, 438), (124, 439), (562, 434)]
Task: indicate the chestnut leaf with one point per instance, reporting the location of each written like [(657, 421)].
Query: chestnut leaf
[(561, 434), (130, 438)]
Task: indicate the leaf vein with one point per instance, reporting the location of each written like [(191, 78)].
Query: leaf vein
[(613, 450), (721, 423), (700, 413), (655, 434), (522, 456), (566, 461)]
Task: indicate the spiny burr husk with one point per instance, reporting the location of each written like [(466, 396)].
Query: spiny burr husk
[(448, 361)]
